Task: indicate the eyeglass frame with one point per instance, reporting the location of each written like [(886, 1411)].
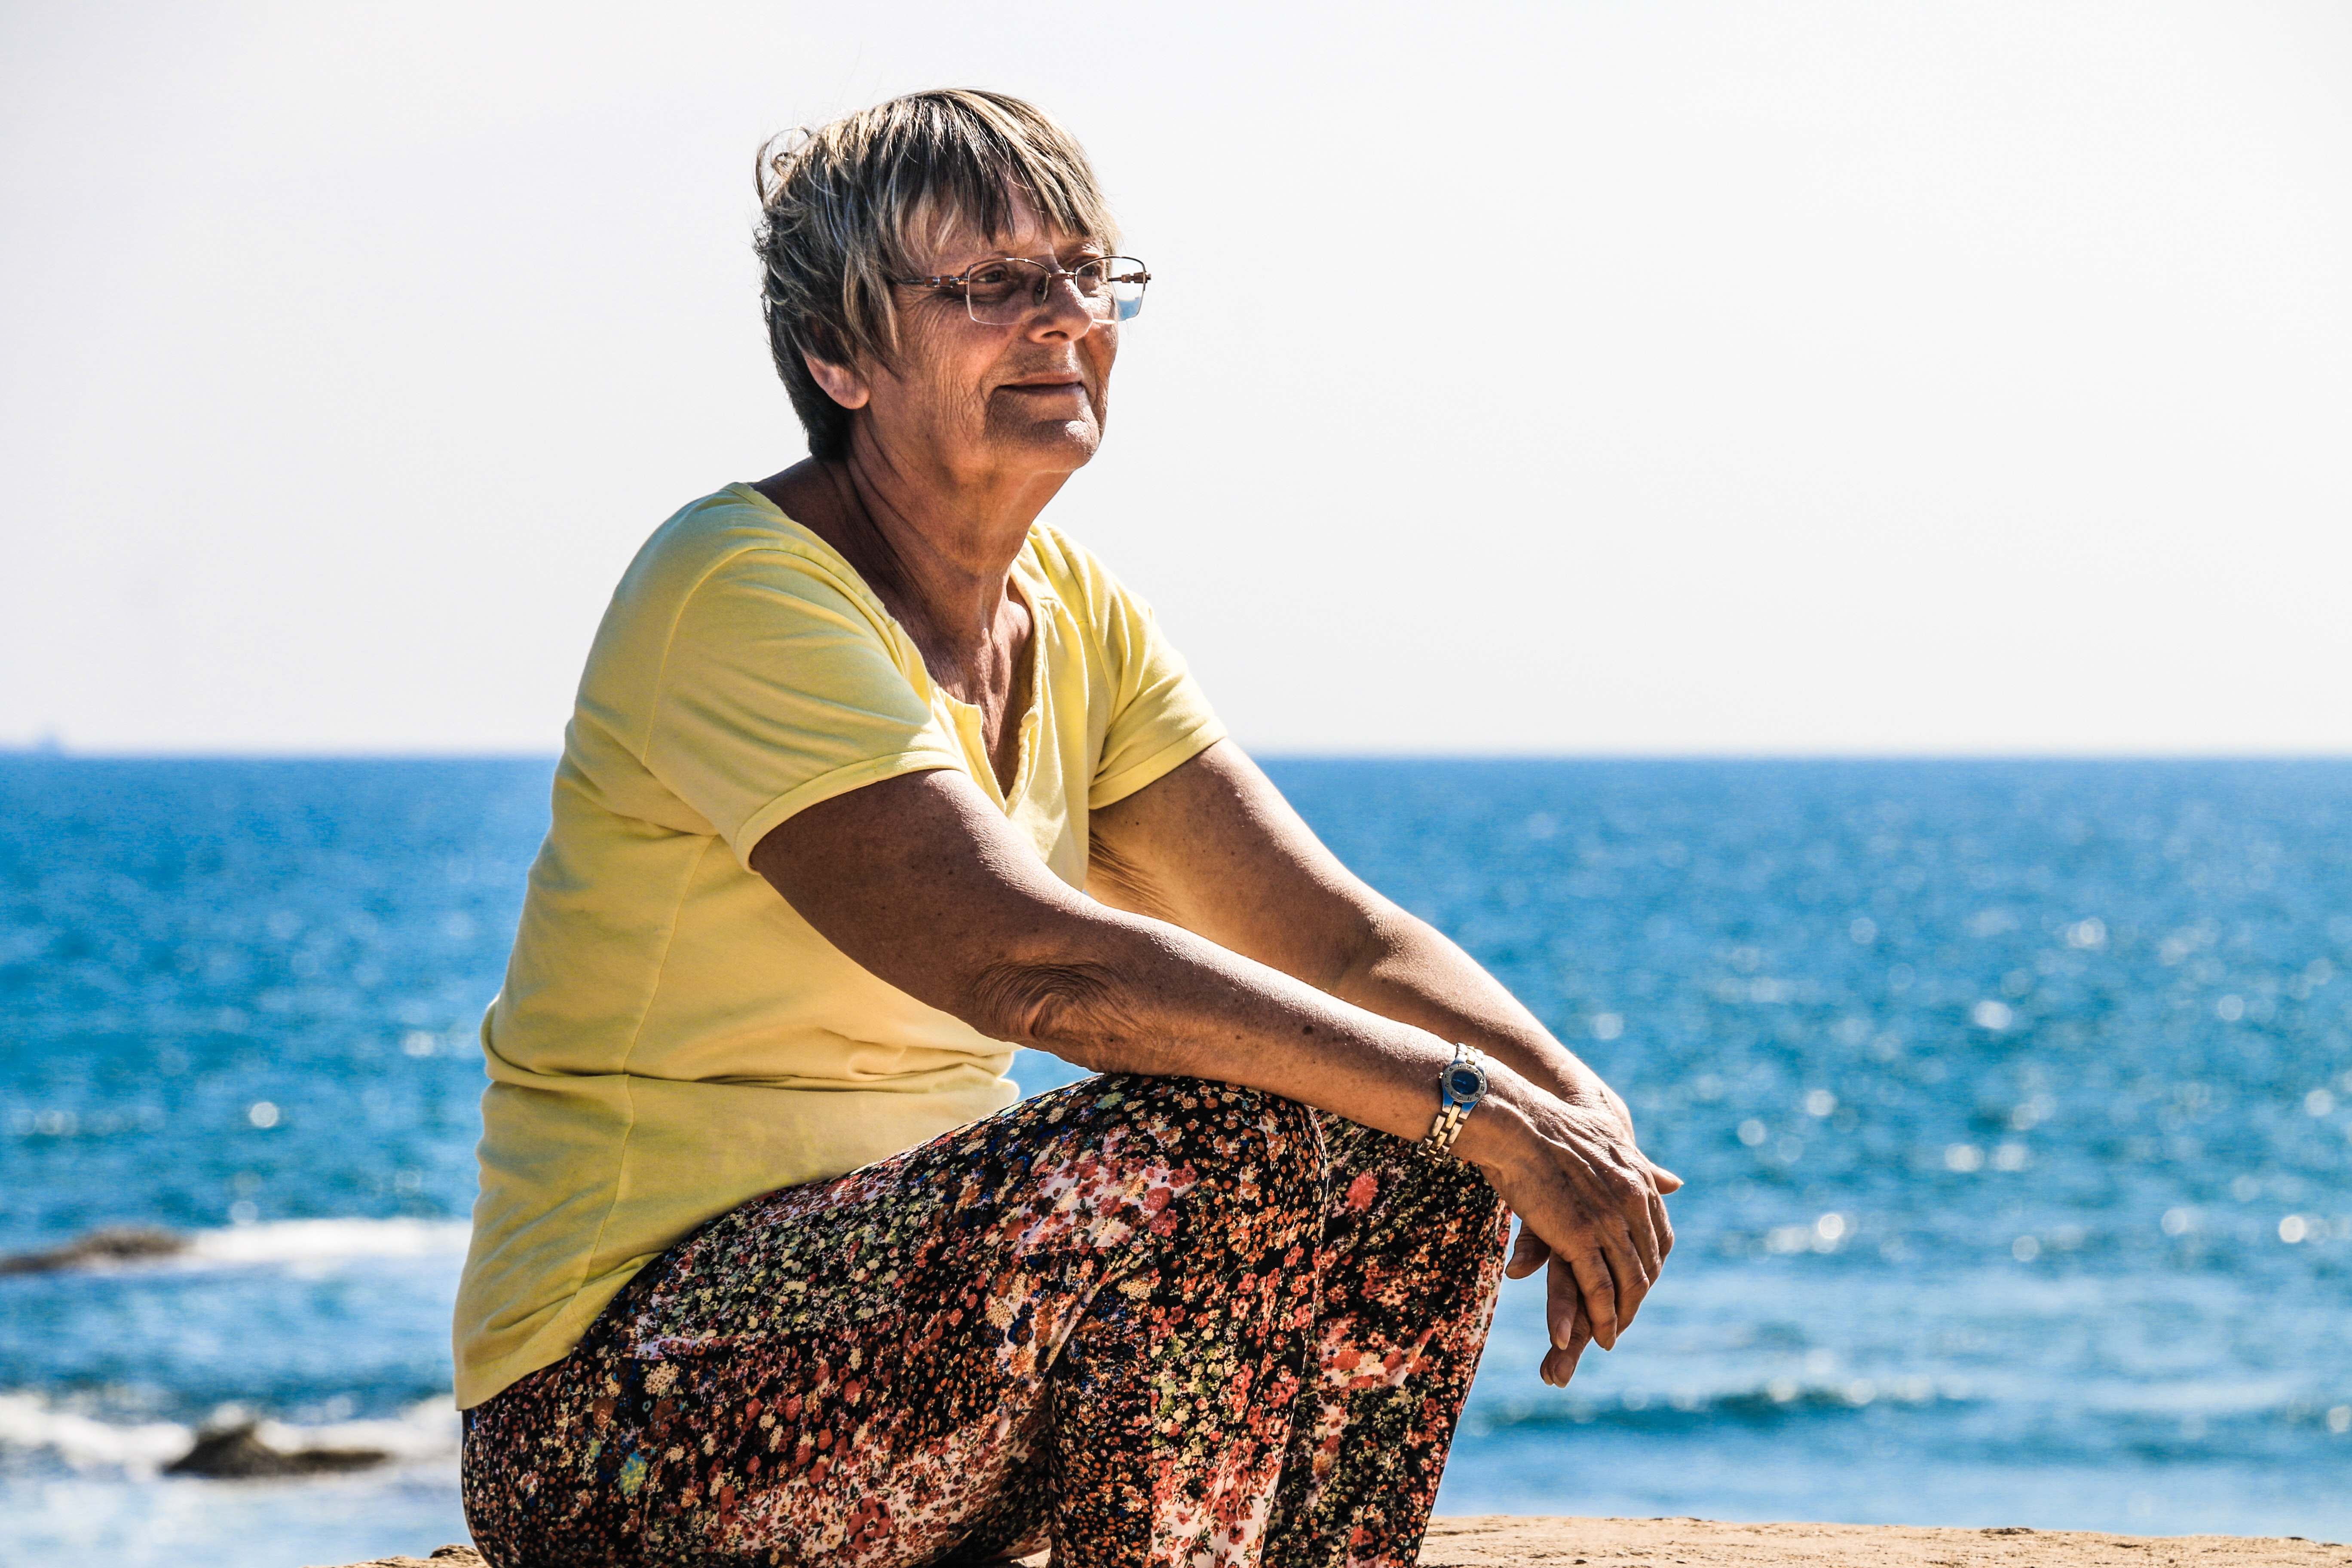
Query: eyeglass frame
[(963, 280)]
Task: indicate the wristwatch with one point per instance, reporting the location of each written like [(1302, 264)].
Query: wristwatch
[(1460, 1088)]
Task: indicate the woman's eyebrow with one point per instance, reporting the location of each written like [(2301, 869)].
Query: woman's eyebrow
[(970, 259)]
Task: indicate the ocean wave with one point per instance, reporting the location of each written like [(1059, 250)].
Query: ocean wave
[(1773, 1403), (294, 1241), (30, 1423), (35, 1425), (325, 1240), (429, 1429)]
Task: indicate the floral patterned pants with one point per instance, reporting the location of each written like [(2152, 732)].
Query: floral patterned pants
[(1148, 1321)]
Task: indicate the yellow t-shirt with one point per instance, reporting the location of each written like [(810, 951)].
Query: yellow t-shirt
[(673, 1038)]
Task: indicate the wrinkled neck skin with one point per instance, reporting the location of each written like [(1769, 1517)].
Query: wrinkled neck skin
[(936, 540), (936, 545)]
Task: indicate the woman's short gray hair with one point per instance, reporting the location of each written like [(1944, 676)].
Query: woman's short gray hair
[(844, 209)]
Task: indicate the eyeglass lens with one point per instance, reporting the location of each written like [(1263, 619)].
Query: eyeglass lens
[(1002, 293)]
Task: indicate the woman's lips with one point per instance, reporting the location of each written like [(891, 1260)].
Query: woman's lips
[(1044, 388)]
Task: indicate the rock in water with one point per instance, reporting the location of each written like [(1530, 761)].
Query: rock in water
[(116, 1244), (238, 1453)]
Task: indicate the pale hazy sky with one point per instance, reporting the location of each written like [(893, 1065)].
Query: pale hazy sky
[(1746, 377)]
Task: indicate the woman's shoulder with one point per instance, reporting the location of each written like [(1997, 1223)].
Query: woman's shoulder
[(725, 572), (1117, 623), (726, 526), (1074, 573)]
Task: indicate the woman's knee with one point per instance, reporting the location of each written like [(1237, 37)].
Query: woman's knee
[(1252, 1146), (1208, 1120)]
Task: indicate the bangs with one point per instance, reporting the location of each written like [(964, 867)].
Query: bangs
[(939, 167)]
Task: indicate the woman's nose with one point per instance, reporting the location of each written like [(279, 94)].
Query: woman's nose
[(1062, 310)]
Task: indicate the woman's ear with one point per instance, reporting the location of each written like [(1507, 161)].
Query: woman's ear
[(841, 383)]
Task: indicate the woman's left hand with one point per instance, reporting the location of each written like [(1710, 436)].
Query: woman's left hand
[(1591, 1204)]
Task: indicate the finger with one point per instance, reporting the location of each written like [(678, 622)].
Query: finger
[(1590, 1267), (1529, 1253), (1563, 1304), (1637, 1256), (1666, 1180), (1560, 1364), (1633, 1263), (1664, 1226), (1641, 1225)]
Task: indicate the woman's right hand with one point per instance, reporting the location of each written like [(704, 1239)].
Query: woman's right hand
[(1591, 1204)]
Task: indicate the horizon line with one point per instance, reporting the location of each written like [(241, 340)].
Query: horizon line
[(52, 753)]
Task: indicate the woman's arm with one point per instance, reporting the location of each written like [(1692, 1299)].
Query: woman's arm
[(920, 879), (1215, 847)]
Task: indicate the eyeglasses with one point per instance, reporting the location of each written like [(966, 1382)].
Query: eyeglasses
[(1002, 293)]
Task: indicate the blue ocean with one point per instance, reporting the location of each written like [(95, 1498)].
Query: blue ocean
[(2014, 1099)]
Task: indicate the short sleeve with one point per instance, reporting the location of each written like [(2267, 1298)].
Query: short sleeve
[(777, 690), (1159, 717)]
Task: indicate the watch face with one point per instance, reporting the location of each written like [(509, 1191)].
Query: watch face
[(1464, 1082)]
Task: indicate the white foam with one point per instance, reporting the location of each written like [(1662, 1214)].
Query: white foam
[(28, 1421), (427, 1431), (322, 1240)]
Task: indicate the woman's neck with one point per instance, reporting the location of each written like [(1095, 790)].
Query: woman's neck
[(939, 558), (943, 573)]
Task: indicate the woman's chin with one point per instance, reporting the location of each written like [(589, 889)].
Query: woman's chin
[(1047, 443)]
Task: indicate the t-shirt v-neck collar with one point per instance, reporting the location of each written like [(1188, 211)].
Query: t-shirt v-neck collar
[(965, 717)]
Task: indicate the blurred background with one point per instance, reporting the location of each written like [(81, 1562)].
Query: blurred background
[(1807, 537)]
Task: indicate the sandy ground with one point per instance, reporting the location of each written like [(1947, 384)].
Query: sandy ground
[(1500, 1540), (1503, 1541)]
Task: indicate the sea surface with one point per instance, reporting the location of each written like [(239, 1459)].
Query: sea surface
[(2014, 1099)]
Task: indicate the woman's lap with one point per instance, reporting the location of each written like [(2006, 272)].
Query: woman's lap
[(1084, 1319)]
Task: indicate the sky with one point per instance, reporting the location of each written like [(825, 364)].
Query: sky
[(1628, 377)]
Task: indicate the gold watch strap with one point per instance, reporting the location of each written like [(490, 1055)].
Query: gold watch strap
[(1451, 1114)]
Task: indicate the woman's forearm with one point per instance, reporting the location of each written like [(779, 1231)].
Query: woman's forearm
[(1121, 993), (918, 879), (1408, 969), (921, 881), (1125, 993), (1212, 847)]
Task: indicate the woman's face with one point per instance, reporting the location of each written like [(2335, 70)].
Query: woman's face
[(985, 403)]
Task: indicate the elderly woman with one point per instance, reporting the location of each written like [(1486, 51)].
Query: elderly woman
[(873, 777)]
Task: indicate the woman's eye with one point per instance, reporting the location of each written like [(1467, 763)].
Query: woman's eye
[(988, 277)]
